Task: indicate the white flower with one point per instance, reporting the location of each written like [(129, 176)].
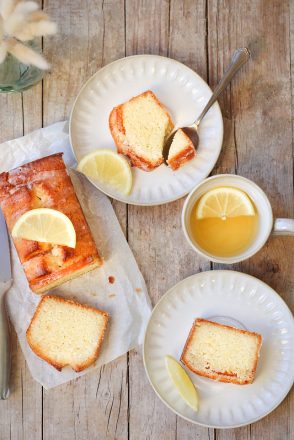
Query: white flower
[(23, 21), (27, 55)]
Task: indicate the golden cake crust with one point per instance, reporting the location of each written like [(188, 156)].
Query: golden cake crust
[(43, 355), (187, 153), (219, 376), (44, 183), (182, 157)]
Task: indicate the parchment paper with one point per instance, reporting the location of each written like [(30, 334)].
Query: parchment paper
[(126, 300)]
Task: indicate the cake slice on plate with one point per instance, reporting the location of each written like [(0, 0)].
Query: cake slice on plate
[(139, 128), (64, 332), (222, 353), (181, 150)]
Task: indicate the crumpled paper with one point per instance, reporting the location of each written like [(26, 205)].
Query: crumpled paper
[(126, 299)]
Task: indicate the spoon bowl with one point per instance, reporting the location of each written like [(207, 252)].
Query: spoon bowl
[(240, 57)]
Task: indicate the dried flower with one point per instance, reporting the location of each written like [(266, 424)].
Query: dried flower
[(23, 21)]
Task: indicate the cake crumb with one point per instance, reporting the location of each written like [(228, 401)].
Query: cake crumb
[(112, 295), (138, 290), (111, 279)]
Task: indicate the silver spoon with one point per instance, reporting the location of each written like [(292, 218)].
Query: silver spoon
[(240, 57)]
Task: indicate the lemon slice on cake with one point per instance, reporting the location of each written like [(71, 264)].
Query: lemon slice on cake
[(47, 226), (182, 382), (224, 202), (108, 168)]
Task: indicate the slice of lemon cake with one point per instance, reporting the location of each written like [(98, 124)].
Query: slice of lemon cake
[(64, 332), (222, 353), (181, 150), (139, 128)]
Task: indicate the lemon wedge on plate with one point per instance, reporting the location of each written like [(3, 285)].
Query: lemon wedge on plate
[(47, 226), (182, 382), (108, 168), (224, 202)]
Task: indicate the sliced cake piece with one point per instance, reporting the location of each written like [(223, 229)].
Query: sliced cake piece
[(139, 128), (222, 353), (64, 332), (181, 150)]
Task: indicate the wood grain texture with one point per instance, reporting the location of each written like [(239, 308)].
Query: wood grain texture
[(148, 418), (155, 233), (21, 414), (258, 143), (92, 36), (191, 51), (117, 402)]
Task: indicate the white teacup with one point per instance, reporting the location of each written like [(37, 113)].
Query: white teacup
[(266, 223)]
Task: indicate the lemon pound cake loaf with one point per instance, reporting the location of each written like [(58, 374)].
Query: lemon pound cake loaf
[(181, 150), (222, 353), (45, 183), (139, 128), (64, 332)]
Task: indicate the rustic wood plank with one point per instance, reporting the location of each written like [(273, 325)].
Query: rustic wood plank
[(92, 35), (11, 121), (258, 142), (96, 404), (147, 24), (32, 392), (148, 418), (258, 133), (187, 34), (156, 247), (189, 48), (32, 109), (21, 414)]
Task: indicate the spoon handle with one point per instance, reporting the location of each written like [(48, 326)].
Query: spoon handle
[(240, 57)]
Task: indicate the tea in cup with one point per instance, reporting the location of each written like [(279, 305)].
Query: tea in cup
[(228, 218)]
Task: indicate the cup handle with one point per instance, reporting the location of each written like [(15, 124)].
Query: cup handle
[(283, 226)]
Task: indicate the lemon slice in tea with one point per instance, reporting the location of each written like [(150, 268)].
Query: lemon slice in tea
[(224, 202)]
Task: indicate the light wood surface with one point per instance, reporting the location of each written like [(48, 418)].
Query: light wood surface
[(117, 402)]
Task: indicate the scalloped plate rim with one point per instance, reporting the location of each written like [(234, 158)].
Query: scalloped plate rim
[(169, 291), (117, 196)]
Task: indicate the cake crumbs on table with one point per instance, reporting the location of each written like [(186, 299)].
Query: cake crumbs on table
[(112, 295), (111, 279), (138, 290)]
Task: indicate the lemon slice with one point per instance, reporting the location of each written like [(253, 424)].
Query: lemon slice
[(224, 202), (45, 225), (109, 168), (182, 382)]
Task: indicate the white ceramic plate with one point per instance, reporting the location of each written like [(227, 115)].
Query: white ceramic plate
[(180, 89), (231, 298)]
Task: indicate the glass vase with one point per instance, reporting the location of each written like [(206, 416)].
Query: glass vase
[(16, 76)]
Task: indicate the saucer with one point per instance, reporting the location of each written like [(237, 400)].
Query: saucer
[(230, 298)]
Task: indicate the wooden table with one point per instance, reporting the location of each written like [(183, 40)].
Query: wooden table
[(117, 402)]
